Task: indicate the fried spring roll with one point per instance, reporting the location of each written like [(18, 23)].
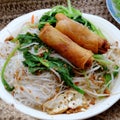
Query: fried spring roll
[(81, 34), (77, 55)]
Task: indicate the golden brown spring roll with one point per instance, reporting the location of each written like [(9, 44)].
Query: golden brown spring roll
[(81, 34), (77, 55)]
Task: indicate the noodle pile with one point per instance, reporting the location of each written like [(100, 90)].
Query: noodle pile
[(29, 89)]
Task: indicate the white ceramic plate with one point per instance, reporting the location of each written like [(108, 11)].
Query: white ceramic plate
[(111, 33), (113, 11)]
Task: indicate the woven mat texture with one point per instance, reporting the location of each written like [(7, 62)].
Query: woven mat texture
[(10, 9)]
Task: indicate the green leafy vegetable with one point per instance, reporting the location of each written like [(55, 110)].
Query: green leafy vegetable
[(49, 17), (7, 86), (105, 62), (27, 39), (108, 77), (34, 63), (116, 71)]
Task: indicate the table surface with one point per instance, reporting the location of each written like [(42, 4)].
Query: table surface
[(10, 9)]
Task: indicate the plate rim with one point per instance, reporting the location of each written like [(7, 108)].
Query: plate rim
[(30, 111), (112, 10)]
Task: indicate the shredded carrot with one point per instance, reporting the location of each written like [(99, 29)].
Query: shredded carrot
[(21, 88), (76, 83), (32, 19)]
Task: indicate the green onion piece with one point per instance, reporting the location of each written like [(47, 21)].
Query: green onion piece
[(69, 6), (6, 85), (102, 60)]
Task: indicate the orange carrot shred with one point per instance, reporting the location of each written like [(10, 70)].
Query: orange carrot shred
[(32, 19)]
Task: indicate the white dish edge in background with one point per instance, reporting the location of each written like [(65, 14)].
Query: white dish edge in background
[(113, 11), (111, 33)]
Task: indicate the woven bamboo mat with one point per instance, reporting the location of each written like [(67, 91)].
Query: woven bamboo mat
[(10, 9)]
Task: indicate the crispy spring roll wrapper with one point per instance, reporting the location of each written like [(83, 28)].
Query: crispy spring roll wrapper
[(81, 34), (77, 55)]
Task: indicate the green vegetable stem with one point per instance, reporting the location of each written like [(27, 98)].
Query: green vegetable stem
[(6, 85)]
